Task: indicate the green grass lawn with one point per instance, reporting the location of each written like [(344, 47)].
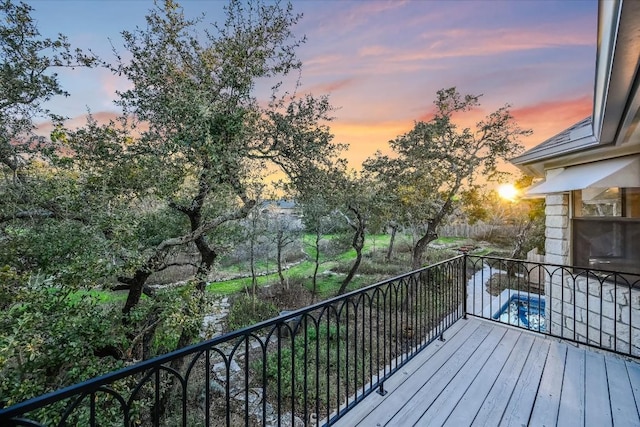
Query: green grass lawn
[(327, 284)]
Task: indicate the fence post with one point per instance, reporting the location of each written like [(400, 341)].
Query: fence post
[(464, 284)]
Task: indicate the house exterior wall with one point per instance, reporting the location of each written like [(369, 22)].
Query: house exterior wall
[(585, 308), (557, 231), (594, 310)]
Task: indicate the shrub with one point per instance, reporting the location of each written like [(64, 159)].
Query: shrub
[(295, 360), (372, 267), (247, 310), (49, 340)]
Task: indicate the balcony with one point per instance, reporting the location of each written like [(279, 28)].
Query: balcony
[(544, 344)]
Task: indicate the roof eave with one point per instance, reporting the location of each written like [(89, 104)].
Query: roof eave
[(615, 81), (554, 151)]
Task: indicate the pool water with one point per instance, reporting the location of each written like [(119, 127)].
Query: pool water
[(523, 310)]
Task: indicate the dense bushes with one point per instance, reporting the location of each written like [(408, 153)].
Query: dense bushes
[(247, 310), (49, 340)]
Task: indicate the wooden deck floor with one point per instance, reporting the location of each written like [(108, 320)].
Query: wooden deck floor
[(488, 374)]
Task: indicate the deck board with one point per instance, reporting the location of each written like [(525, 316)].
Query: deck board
[(477, 394), (457, 335), (571, 412), (516, 389), (545, 410), (438, 413), (489, 374), (457, 382), (437, 372), (633, 369), (597, 406), (623, 405)]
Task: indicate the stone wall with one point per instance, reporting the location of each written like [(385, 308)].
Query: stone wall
[(587, 309), (592, 310), (557, 231)]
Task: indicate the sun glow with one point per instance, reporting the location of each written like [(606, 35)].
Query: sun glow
[(508, 192)]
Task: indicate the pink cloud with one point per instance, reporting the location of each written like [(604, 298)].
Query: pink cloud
[(110, 83), (375, 50), (333, 86), (465, 42), (323, 60), (352, 17), (550, 117)]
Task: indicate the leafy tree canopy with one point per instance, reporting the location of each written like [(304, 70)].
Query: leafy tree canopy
[(436, 160)]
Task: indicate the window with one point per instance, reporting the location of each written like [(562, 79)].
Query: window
[(606, 229)]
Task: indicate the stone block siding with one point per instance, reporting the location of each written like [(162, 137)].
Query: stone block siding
[(557, 229), (589, 310)]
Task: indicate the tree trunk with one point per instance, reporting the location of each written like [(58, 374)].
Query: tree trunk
[(252, 267), (279, 247), (421, 246), (521, 238), (316, 268), (357, 243), (432, 226), (136, 285), (207, 258), (394, 230), (352, 271)]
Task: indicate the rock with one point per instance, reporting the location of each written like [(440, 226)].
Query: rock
[(220, 368), (213, 323), (286, 420), (234, 367)]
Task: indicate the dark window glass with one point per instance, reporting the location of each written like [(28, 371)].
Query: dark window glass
[(607, 245), (606, 229)]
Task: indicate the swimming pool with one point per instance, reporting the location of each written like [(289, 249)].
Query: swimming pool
[(523, 309)]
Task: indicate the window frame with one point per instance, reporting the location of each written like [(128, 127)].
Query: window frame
[(578, 256)]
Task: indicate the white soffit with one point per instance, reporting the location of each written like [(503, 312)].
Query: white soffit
[(620, 172)]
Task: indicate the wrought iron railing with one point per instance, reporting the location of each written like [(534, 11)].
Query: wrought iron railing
[(304, 368), (594, 307)]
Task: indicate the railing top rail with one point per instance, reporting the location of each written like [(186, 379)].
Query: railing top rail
[(559, 266), (92, 384)]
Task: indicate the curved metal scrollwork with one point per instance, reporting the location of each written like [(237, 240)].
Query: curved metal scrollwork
[(309, 366)]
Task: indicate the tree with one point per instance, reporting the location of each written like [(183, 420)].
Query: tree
[(27, 81), (170, 176), (286, 230), (436, 160), (358, 198), (208, 133), (529, 218), (33, 203), (318, 203), (255, 227)]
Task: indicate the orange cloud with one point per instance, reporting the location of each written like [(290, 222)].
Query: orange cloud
[(466, 42), (550, 117), (331, 86), (545, 119), (367, 135), (101, 117), (365, 139)]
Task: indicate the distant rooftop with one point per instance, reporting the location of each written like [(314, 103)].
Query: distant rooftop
[(282, 204)]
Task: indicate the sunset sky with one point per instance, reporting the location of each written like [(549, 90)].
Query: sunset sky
[(382, 61)]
